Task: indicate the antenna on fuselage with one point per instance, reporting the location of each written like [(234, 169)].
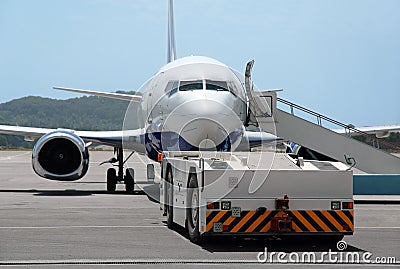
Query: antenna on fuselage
[(171, 33)]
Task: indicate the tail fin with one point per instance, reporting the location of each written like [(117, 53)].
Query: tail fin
[(171, 33)]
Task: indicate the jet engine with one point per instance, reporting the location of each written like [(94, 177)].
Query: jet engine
[(60, 155)]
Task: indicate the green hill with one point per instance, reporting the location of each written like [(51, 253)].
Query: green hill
[(83, 113)]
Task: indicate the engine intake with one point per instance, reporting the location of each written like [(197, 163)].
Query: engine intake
[(60, 155)]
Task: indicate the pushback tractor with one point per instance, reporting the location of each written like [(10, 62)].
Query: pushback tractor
[(262, 194)]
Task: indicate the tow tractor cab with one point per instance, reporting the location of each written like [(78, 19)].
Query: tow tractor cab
[(256, 194)]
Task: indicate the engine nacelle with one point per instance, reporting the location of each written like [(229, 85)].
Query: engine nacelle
[(60, 155)]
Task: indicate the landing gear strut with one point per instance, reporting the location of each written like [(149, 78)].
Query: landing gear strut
[(113, 177)]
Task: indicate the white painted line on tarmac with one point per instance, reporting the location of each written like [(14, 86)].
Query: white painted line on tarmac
[(82, 226), (376, 227), (165, 261), (393, 209), (7, 158), (130, 261)]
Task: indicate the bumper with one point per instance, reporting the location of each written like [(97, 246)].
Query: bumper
[(271, 222)]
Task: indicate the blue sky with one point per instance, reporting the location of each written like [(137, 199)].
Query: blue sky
[(338, 57)]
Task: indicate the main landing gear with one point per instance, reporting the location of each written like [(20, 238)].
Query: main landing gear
[(113, 177)]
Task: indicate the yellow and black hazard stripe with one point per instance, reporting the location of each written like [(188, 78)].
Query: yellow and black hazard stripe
[(322, 220), (252, 221), (249, 221)]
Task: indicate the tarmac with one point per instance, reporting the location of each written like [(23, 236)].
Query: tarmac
[(47, 224)]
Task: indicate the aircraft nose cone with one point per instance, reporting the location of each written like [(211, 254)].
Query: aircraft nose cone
[(206, 125)]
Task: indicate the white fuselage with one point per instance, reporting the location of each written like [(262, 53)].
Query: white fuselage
[(192, 103)]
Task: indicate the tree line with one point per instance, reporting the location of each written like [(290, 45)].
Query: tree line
[(91, 113)]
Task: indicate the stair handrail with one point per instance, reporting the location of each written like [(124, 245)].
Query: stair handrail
[(348, 127)]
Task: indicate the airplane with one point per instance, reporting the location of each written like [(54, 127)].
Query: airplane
[(378, 131), (192, 103)]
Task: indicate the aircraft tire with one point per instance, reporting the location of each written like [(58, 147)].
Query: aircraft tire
[(111, 180), (192, 210), (129, 180)]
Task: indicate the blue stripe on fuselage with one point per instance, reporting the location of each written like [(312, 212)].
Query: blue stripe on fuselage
[(157, 142)]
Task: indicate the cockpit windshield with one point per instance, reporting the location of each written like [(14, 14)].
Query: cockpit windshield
[(216, 85), (209, 85), (191, 85)]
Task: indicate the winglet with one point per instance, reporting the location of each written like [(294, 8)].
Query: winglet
[(121, 96)]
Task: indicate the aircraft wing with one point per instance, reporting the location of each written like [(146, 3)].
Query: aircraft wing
[(110, 138), (379, 131), (29, 132), (121, 96)]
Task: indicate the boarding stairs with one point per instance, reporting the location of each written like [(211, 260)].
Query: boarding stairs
[(296, 126)]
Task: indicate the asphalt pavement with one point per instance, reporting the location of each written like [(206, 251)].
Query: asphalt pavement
[(51, 224)]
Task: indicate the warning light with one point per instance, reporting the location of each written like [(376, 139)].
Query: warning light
[(213, 205), (159, 157), (347, 205)]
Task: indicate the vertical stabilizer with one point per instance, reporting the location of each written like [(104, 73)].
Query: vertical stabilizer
[(171, 33)]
